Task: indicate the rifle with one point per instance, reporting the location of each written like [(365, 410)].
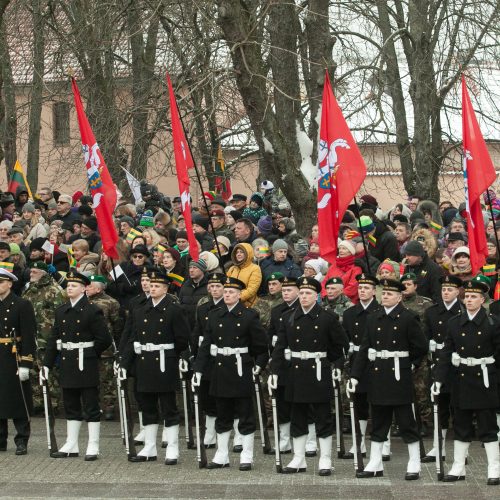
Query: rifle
[(277, 451), (128, 423), (185, 395), (356, 436), (339, 431), (49, 417), (438, 438), (201, 452), (264, 434)]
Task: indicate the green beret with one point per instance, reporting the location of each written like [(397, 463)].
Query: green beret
[(409, 277), (334, 281), (38, 264), (276, 277), (97, 278)]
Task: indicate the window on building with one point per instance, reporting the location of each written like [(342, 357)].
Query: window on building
[(60, 111)]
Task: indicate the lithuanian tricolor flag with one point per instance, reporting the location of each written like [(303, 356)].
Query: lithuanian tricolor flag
[(18, 179), (489, 270), (176, 279), (372, 240), (222, 182), (8, 266), (435, 227), (71, 257)]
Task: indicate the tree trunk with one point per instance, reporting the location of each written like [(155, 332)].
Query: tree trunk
[(36, 94), (9, 125)]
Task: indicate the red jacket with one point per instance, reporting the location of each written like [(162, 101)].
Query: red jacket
[(346, 269)]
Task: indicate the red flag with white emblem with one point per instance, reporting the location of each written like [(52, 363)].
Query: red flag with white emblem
[(183, 161), (479, 175), (102, 189), (341, 171)]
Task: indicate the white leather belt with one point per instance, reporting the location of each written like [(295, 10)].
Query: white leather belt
[(200, 340), (230, 351), (138, 348), (434, 346), (373, 354), (289, 354), (353, 347), (71, 346), (457, 360)]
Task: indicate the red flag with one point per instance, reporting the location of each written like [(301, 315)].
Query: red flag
[(341, 171), (183, 161), (101, 185), (479, 175)]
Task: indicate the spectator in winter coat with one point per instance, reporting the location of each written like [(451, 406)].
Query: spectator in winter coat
[(244, 231), (345, 267), (245, 270), (279, 262), (427, 271), (193, 289), (200, 229), (255, 211), (382, 243)]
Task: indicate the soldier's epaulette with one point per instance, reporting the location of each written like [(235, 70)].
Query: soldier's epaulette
[(202, 301), (173, 298)]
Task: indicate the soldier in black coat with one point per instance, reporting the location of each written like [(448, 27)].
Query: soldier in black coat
[(311, 342), (290, 294), (392, 343), (469, 362), (215, 288), (160, 333), (17, 339), (436, 320), (354, 323), (237, 341), (79, 336)]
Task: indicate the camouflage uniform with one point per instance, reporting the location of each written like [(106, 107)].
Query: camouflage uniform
[(115, 323), (421, 376), (264, 305), (338, 305), (46, 296)]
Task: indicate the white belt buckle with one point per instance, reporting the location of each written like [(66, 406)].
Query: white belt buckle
[(226, 351), (304, 355), (469, 361), (384, 354)]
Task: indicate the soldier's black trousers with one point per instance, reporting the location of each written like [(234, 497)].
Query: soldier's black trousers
[(207, 402), (382, 420), (486, 419), (361, 405), (168, 408), (284, 407), (82, 403), (322, 416), (23, 429), (444, 409), (230, 408)]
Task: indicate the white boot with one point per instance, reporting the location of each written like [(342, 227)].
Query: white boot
[(311, 444), (325, 458), (413, 467), (148, 453), (164, 438), (432, 454), (93, 444), (172, 454), (493, 454), (363, 424), (298, 463), (237, 440), (70, 447), (285, 445), (139, 439), (386, 449), (210, 438), (375, 467), (457, 471), (246, 456), (221, 457)]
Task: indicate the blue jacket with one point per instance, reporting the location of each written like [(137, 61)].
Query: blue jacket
[(269, 266)]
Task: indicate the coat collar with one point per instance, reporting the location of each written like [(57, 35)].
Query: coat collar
[(79, 305), (393, 314), (313, 313), (374, 305), (236, 311), (477, 320)]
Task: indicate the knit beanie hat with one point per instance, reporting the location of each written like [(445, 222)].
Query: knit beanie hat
[(265, 224), (257, 198), (200, 264), (182, 235), (91, 223), (14, 249), (201, 221), (147, 219), (349, 245), (223, 240), (414, 248), (366, 224), (279, 245), (28, 207)]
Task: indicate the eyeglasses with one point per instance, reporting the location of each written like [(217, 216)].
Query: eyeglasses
[(138, 256), (62, 203)]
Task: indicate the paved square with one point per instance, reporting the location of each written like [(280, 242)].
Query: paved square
[(38, 476)]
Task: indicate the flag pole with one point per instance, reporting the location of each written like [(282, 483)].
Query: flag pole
[(201, 189), (362, 235)]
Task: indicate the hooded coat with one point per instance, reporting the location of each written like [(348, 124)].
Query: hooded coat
[(248, 272)]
